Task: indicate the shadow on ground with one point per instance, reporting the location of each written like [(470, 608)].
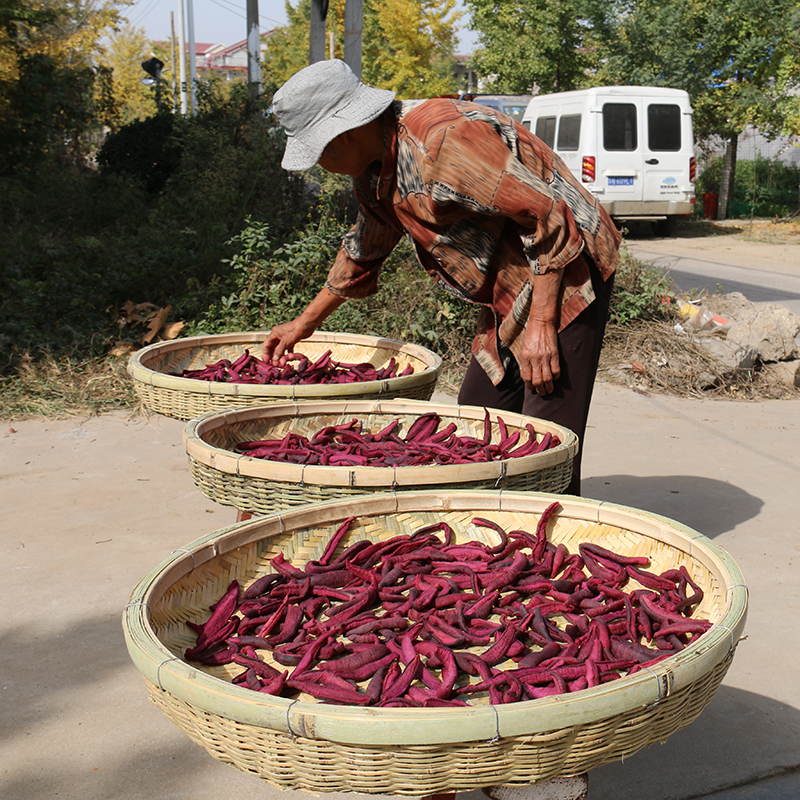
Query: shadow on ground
[(709, 506), (689, 229)]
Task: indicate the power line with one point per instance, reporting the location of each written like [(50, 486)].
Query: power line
[(243, 16), (145, 10)]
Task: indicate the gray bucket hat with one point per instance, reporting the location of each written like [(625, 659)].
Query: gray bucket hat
[(317, 104)]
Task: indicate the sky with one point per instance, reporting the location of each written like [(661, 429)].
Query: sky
[(223, 21)]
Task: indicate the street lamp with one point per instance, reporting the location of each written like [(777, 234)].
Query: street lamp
[(153, 67)]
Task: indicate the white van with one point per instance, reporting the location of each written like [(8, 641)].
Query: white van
[(631, 146)]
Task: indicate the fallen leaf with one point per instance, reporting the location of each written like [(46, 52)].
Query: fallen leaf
[(171, 330), (158, 320)]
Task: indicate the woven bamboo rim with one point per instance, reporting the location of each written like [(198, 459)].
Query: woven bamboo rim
[(312, 746), (259, 486), (187, 398)]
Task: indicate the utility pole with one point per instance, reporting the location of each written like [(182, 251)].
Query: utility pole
[(253, 50), (192, 54), (182, 56), (316, 38), (173, 65), (353, 27)]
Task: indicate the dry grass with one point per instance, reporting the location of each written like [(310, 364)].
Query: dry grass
[(67, 387), (653, 356)]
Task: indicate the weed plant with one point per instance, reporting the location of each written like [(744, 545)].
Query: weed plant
[(641, 291)]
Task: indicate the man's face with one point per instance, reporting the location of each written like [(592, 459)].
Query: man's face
[(347, 154)]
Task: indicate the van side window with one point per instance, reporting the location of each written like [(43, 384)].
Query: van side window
[(663, 127), (546, 130), (619, 126), (569, 132)]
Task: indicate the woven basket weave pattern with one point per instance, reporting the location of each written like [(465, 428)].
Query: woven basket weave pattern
[(185, 399), (295, 760), (260, 488), (310, 765), (267, 497)]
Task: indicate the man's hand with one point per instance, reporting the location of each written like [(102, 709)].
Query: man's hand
[(539, 364), (282, 338)]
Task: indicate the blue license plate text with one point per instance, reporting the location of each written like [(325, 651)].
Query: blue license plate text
[(620, 181)]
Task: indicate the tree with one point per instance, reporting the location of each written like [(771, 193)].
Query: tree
[(128, 48), (53, 94), (544, 45), (287, 46), (734, 57), (408, 44)]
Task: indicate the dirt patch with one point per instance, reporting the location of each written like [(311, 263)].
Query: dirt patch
[(765, 231), (762, 231)]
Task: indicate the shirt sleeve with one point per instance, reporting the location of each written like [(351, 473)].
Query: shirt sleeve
[(365, 247), (479, 171)]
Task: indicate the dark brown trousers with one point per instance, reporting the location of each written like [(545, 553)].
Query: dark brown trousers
[(579, 347)]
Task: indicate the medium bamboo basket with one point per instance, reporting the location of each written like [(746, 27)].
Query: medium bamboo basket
[(258, 486), (316, 747), (187, 398)]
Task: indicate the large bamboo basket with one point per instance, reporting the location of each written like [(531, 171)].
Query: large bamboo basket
[(315, 747), (187, 398), (257, 486)]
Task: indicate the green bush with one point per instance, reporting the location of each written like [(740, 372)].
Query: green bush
[(762, 188), (78, 243), (147, 150), (273, 284)]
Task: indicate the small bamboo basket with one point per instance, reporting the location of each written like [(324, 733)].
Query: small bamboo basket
[(317, 747), (187, 398), (258, 486)]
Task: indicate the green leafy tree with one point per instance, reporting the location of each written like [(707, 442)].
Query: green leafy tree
[(287, 46), (544, 45), (409, 46), (127, 49)]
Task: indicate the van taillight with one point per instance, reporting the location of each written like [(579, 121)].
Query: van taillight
[(692, 169), (588, 169)]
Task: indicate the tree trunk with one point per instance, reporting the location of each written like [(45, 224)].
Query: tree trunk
[(727, 176)]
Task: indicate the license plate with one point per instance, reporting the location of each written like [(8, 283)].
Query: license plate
[(620, 181)]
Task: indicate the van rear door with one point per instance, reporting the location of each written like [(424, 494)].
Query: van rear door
[(666, 164), (619, 179)]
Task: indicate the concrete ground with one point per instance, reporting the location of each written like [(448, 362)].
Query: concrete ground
[(725, 262), (89, 506)]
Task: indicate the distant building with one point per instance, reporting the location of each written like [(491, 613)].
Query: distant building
[(230, 62)]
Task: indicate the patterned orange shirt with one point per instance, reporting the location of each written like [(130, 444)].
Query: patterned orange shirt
[(486, 206)]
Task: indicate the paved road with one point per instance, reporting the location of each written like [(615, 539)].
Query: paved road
[(761, 272)]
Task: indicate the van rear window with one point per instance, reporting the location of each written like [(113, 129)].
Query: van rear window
[(663, 127), (546, 130), (569, 132), (619, 126)]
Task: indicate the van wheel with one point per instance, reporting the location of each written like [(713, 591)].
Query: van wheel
[(664, 227)]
